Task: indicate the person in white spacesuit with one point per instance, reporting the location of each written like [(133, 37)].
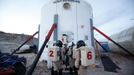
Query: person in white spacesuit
[(81, 46), (55, 54), (71, 61)]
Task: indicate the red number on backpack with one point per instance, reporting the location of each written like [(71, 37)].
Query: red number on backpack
[(51, 53), (89, 55)]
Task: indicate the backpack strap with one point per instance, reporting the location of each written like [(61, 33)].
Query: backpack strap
[(79, 56)]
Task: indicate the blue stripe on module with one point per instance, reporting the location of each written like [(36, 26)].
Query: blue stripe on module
[(55, 35)]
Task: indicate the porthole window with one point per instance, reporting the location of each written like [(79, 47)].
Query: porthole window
[(66, 6)]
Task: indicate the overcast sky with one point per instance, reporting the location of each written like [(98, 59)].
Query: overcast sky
[(23, 16), (20, 16)]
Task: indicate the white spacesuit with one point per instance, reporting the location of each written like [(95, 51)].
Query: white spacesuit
[(84, 56), (55, 55)]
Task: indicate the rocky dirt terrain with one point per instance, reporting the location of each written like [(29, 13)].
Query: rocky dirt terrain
[(11, 41)]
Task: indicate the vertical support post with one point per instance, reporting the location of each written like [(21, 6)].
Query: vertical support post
[(38, 35), (92, 32), (55, 35)]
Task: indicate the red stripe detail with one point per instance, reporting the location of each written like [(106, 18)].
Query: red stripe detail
[(102, 33), (51, 31), (31, 37)]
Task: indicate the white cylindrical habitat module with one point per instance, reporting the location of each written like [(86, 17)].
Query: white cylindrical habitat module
[(74, 19)]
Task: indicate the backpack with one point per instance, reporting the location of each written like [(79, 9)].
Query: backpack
[(87, 55)]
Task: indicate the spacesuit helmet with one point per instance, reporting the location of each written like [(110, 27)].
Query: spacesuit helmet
[(58, 43), (80, 43)]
